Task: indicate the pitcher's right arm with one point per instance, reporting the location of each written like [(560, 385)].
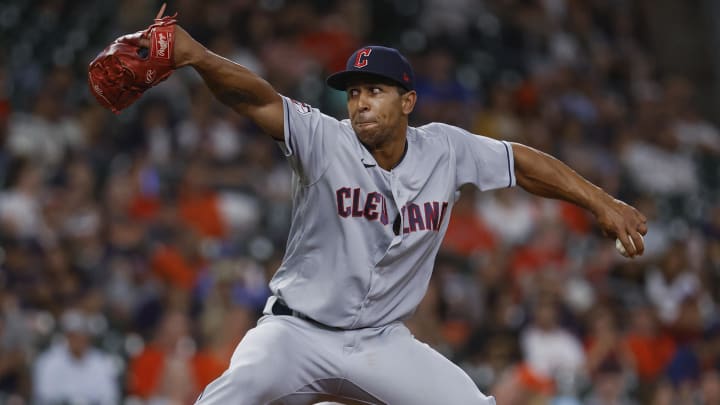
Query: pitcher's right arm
[(233, 84)]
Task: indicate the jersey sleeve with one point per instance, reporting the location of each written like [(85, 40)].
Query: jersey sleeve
[(309, 139), (485, 162)]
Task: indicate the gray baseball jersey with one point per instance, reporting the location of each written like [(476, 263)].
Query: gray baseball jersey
[(363, 239), (359, 257)]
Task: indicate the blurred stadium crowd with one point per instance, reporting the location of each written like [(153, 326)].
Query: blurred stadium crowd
[(135, 249)]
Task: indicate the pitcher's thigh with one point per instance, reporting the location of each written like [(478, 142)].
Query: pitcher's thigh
[(279, 357), (403, 370)]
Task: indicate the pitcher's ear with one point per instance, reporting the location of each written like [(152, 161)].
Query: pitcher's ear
[(408, 102)]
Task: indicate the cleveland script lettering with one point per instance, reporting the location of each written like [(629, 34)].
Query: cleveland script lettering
[(354, 203)]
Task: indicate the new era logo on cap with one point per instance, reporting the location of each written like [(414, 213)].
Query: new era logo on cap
[(381, 61)]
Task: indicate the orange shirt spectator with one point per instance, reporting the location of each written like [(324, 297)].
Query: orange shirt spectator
[(164, 370), (206, 367), (575, 218), (146, 371), (199, 202), (175, 268), (651, 354), (201, 211), (651, 349), (545, 250), (144, 207), (330, 46), (467, 233)]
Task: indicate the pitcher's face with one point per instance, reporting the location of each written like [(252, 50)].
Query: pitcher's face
[(378, 111)]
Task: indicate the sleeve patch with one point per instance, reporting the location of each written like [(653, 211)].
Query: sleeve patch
[(302, 108)]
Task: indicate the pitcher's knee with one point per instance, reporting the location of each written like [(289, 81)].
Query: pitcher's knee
[(240, 385), (262, 382)]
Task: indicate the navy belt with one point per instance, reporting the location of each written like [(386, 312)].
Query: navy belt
[(281, 308)]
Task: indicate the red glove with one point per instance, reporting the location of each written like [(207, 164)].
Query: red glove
[(122, 72)]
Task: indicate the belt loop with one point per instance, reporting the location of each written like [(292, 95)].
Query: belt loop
[(269, 305)]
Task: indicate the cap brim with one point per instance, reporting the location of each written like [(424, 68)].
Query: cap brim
[(340, 80)]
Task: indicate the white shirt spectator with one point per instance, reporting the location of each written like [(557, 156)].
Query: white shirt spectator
[(218, 136), (697, 133), (23, 214), (450, 16), (656, 170), (668, 295), (42, 140), (60, 377), (508, 214), (552, 352)]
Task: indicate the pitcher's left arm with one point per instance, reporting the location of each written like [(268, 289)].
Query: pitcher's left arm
[(546, 176)]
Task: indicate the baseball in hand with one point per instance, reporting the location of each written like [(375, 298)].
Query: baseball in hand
[(620, 248)]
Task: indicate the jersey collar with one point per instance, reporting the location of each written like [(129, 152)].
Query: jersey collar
[(368, 160)]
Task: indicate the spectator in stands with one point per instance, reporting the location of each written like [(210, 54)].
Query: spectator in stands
[(658, 166), (670, 285), (551, 352), (220, 340), (650, 347), (163, 370), (21, 203), (499, 119), (206, 132), (604, 348), (710, 387), (4, 118), (609, 386), (15, 348), (46, 134), (467, 234), (508, 215), (199, 202), (72, 371), (444, 98)]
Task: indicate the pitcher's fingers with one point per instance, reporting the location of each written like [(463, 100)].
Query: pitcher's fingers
[(642, 225), (639, 243), (627, 244), (161, 12)]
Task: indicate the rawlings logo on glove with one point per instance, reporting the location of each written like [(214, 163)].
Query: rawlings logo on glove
[(162, 41), (124, 70)]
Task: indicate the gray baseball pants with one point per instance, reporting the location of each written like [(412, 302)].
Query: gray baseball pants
[(286, 360)]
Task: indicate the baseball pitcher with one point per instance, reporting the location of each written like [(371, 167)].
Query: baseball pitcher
[(371, 201)]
